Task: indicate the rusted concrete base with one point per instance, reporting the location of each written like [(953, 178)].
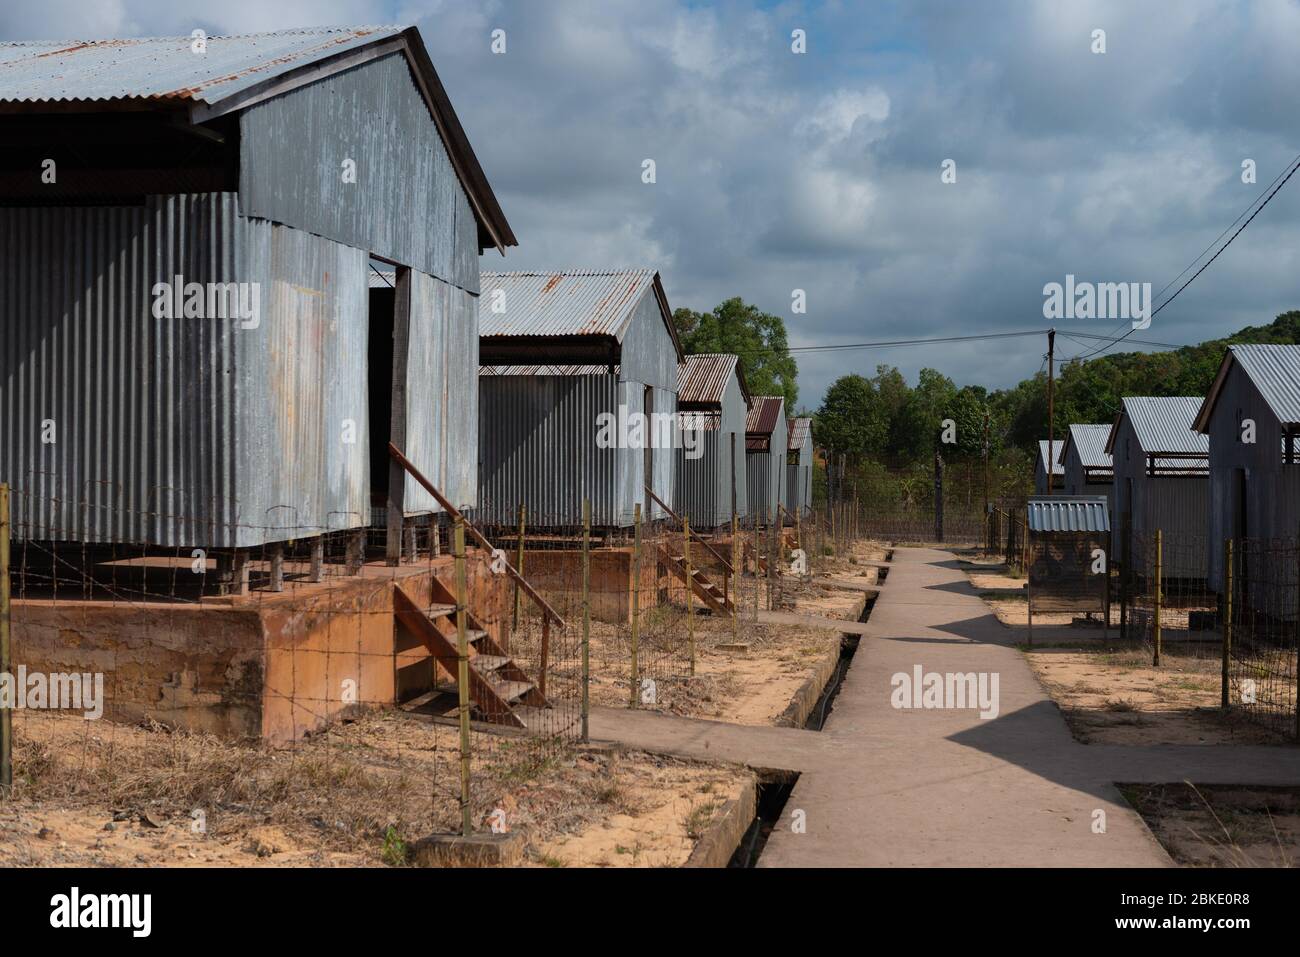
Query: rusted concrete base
[(557, 574), (269, 666), (477, 850)]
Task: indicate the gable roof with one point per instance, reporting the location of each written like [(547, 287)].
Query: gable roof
[(800, 432), (569, 303), (1162, 424), (1274, 371), (1089, 442), (703, 377), (235, 72), (764, 414), (1057, 467)]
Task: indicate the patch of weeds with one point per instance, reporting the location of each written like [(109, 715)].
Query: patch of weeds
[(395, 849)]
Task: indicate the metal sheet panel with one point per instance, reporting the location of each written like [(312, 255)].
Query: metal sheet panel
[(1164, 423), (442, 393), (538, 447), (1068, 513), (166, 67), (183, 431), (578, 302), (1274, 370), (406, 203), (704, 378)]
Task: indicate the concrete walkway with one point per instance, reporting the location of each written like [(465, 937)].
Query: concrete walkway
[(895, 787)]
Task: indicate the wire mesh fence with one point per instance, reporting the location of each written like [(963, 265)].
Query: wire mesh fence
[(301, 674), (1235, 601)]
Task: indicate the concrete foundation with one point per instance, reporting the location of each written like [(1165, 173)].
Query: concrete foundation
[(268, 666)]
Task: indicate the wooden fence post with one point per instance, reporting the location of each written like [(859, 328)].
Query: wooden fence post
[(1227, 622), (636, 601), (6, 714), (462, 673), (735, 577), (586, 619), (1155, 623), (690, 590), (519, 563)]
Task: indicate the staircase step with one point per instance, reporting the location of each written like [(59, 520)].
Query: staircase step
[(484, 664), (511, 690), (440, 611)]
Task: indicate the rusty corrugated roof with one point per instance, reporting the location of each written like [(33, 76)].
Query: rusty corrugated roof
[(577, 302), (800, 432), (765, 413), (232, 73), (703, 378), (166, 68)]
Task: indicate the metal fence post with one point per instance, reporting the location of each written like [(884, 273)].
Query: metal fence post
[(462, 672), (1155, 616), (586, 619), (1227, 622), (690, 597), (636, 600), (6, 714)]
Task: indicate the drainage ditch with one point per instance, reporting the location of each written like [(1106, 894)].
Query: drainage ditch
[(774, 789)]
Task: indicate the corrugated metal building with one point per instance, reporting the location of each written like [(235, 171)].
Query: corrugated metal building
[(1161, 481), (766, 439), (1041, 470), (1251, 418), (184, 294), (1087, 465), (572, 362), (713, 399), (799, 466)]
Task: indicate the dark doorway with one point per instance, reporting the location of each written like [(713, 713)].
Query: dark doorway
[(380, 365), (648, 404)]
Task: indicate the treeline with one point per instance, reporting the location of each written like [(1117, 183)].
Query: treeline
[(884, 419)]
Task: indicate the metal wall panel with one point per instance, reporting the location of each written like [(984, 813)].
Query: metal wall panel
[(537, 446), (1271, 487), (1177, 505), (406, 201), (648, 354), (175, 431), (442, 393)]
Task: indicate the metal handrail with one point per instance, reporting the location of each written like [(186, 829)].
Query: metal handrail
[(547, 611), (678, 519)]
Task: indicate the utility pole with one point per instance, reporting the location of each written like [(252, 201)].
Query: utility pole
[(986, 464), (1051, 408)]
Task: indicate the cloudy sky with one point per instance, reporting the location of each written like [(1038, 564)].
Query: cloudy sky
[(822, 171)]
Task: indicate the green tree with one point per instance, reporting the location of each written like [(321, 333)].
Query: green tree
[(757, 337), (852, 418)]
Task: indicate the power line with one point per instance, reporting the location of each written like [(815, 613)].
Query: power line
[(1272, 190)]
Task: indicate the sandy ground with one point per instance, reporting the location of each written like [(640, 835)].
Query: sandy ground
[(1108, 689), (747, 674), (1222, 826), (100, 795)]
